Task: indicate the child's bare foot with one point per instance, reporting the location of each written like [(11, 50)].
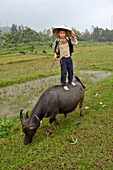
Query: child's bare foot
[(65, 88), (73, 84)]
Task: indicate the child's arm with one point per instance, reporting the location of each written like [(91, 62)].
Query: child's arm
[(55, 49), (73, 38), (55, 56), (54, 44)]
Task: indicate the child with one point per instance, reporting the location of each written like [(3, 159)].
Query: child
[(63, 47)]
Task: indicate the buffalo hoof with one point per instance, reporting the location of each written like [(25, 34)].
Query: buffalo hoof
[(48, 134), (26, 143), (81, 116), (55, 124), (77, 123), (63, 117)]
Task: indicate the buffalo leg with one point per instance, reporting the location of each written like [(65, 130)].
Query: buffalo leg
[(80, 107), (48, 132), (55, 122), (65, 115)]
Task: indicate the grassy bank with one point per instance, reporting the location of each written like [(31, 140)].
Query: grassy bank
[(93, 147)]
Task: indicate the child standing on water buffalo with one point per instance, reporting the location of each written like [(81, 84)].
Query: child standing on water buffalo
[(63, 47)]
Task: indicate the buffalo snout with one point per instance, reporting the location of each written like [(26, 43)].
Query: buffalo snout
[(27, 140)]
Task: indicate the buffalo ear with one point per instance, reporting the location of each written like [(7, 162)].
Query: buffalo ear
[(26, 116)]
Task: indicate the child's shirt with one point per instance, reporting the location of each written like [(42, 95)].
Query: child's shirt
[(63, 46)]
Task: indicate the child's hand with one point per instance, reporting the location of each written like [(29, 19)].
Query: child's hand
[(73, 34), (55, 56)]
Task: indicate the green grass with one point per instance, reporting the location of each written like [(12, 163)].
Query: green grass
[(94, 146), (25, 78), (93, 149), (16, 68)]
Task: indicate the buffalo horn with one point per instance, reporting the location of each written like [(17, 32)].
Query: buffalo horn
[(26, 115), (21, 117)]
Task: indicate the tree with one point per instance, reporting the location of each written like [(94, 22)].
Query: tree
[(97, 34), (77, 33), (100, 34), (21, 34), (7, 37), (20, 28), (29, 35), (44, 31), (48, 32), (86, 36), (13, 29), (16, 37), (108, 34)]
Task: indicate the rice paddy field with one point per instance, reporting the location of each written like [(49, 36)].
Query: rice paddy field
[(75, 143)]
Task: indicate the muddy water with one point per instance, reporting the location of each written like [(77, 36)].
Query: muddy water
[(16, 97)]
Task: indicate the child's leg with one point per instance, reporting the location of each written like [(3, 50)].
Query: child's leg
[(70, 70), (63, 71)]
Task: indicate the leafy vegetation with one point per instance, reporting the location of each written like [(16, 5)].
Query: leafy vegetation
[(21, 34)]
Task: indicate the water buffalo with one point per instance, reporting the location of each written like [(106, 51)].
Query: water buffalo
[(31, 51), (53, 101), (22, 52), (44, 52)]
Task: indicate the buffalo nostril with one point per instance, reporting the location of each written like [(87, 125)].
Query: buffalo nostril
[(26, 143), (30, 141)]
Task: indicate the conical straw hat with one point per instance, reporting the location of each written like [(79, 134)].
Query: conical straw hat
[(55, 31)]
